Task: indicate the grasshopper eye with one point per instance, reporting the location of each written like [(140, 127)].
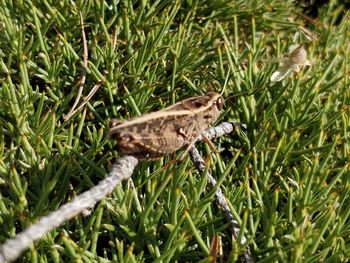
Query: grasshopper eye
[(198, 104), (114, 123), (219, 103)]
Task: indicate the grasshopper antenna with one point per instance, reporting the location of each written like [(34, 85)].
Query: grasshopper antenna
[(245, 93), (226, 80)]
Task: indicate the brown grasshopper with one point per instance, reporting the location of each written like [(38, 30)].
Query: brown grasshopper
[(163, 132)]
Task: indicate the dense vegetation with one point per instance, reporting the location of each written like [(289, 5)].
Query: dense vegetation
[(286, 180)]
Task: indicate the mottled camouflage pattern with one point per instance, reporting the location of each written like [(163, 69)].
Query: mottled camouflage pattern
[(163, 132)]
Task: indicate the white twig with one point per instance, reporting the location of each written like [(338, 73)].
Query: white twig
[(220, 130), (122, 169)]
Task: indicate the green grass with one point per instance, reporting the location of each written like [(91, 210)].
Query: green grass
[(288, 182)]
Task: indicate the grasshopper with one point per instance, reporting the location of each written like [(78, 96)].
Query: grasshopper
[(165, 131)]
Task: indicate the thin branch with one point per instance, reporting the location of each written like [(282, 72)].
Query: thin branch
[(115, 38), (85, 68), (85, 101), (122, 169), (220, 130)]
